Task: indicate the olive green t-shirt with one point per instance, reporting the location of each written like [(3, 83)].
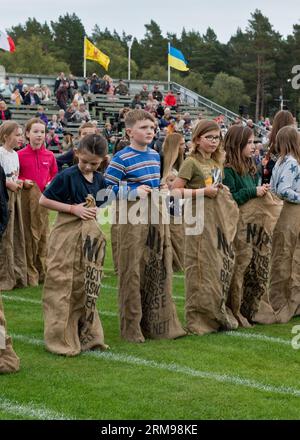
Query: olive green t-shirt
[(197, 171)]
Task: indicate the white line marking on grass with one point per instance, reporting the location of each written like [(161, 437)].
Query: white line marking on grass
[(258, 336), (37, 302), (187, 371), (30, 410), (178, 276)]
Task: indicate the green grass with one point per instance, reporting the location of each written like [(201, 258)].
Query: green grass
[(140, 381)]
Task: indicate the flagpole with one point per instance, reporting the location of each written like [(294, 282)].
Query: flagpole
[(84, 59), (169, 68)]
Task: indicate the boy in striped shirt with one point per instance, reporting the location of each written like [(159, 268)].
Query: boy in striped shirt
[(139, 167)]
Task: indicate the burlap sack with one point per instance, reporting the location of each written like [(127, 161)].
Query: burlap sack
[(253, 243), (146, 306), (209, 260), (9, 361), (114, 232), (13, 267), (285, 264), (36, 230), (72, 286), (177, 242)]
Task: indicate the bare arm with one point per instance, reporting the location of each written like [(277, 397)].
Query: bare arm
[(178, 187), (79, 210)]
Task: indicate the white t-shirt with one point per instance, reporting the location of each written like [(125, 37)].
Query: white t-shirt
[(9, 160)]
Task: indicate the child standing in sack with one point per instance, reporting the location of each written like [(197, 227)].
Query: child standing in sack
[(13, 269), (37, 169), (285, 268), (145, 255), (9, 361), (199, 176), (75, 255)]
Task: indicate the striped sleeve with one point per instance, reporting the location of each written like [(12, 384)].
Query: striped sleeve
[(115, 173)]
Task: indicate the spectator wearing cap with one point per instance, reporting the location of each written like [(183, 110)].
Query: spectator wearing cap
[(157, 94)]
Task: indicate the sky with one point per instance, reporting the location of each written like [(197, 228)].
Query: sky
[(224, 16)]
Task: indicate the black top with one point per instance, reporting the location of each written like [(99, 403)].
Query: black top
[(70, 186)]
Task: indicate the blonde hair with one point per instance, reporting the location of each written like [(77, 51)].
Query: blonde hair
[(173, 156), (204, 126), (6, 129), (288, 142)]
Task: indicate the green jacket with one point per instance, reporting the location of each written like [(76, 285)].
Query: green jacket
[(242, 188)]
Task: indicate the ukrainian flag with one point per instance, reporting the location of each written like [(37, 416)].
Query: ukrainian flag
[(176, 59)]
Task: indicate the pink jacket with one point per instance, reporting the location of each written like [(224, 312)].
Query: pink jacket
[(37, 165)]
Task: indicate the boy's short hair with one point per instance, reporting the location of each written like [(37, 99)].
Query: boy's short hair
[(137, 115)]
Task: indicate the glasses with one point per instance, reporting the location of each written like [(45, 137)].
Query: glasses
[(212, 138)]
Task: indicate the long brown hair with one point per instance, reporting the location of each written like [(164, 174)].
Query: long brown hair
[(173, 155), (281, 119), (288, 142), (201, 129), (235, 141)]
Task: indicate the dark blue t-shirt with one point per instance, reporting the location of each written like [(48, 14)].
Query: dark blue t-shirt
[(71, 187)]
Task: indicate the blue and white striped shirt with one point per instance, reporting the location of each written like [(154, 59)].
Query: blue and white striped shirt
[(135, 167)]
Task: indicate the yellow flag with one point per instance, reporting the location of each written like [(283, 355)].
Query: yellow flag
[(94, 54)]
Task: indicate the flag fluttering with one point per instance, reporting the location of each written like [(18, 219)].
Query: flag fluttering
[(176, 59), (93, 53), (6, 42)]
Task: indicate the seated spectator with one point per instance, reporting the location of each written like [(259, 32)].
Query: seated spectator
[(171, 126), (78, 97), (86, 88), (250, 124), (197, 120), (41, 114), (62, 95), (5, 113), (6, 88), (136, 102), (46, 93), (160, 110), (61, 119), (82, 114), (67, 143), (121, 89), (71, 110), (121, 119), (60, 79), (107, 132), (54, 124), (99, 86), (16, 98), (151, 104), (179, 124), (31, 98), (165, 120), (157, 94), (73, 86), (257, 157), (110, 88), (170, 100), (52, 139), (20, 86), (144, 93), (187, 121), (38, 91), (178, 99)]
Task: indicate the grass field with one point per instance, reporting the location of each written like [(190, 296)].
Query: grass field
[(248, 374)]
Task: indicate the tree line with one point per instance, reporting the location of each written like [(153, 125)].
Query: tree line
[(254, 69)]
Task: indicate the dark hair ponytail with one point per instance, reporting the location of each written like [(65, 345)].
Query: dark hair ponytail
[(94, 144)]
